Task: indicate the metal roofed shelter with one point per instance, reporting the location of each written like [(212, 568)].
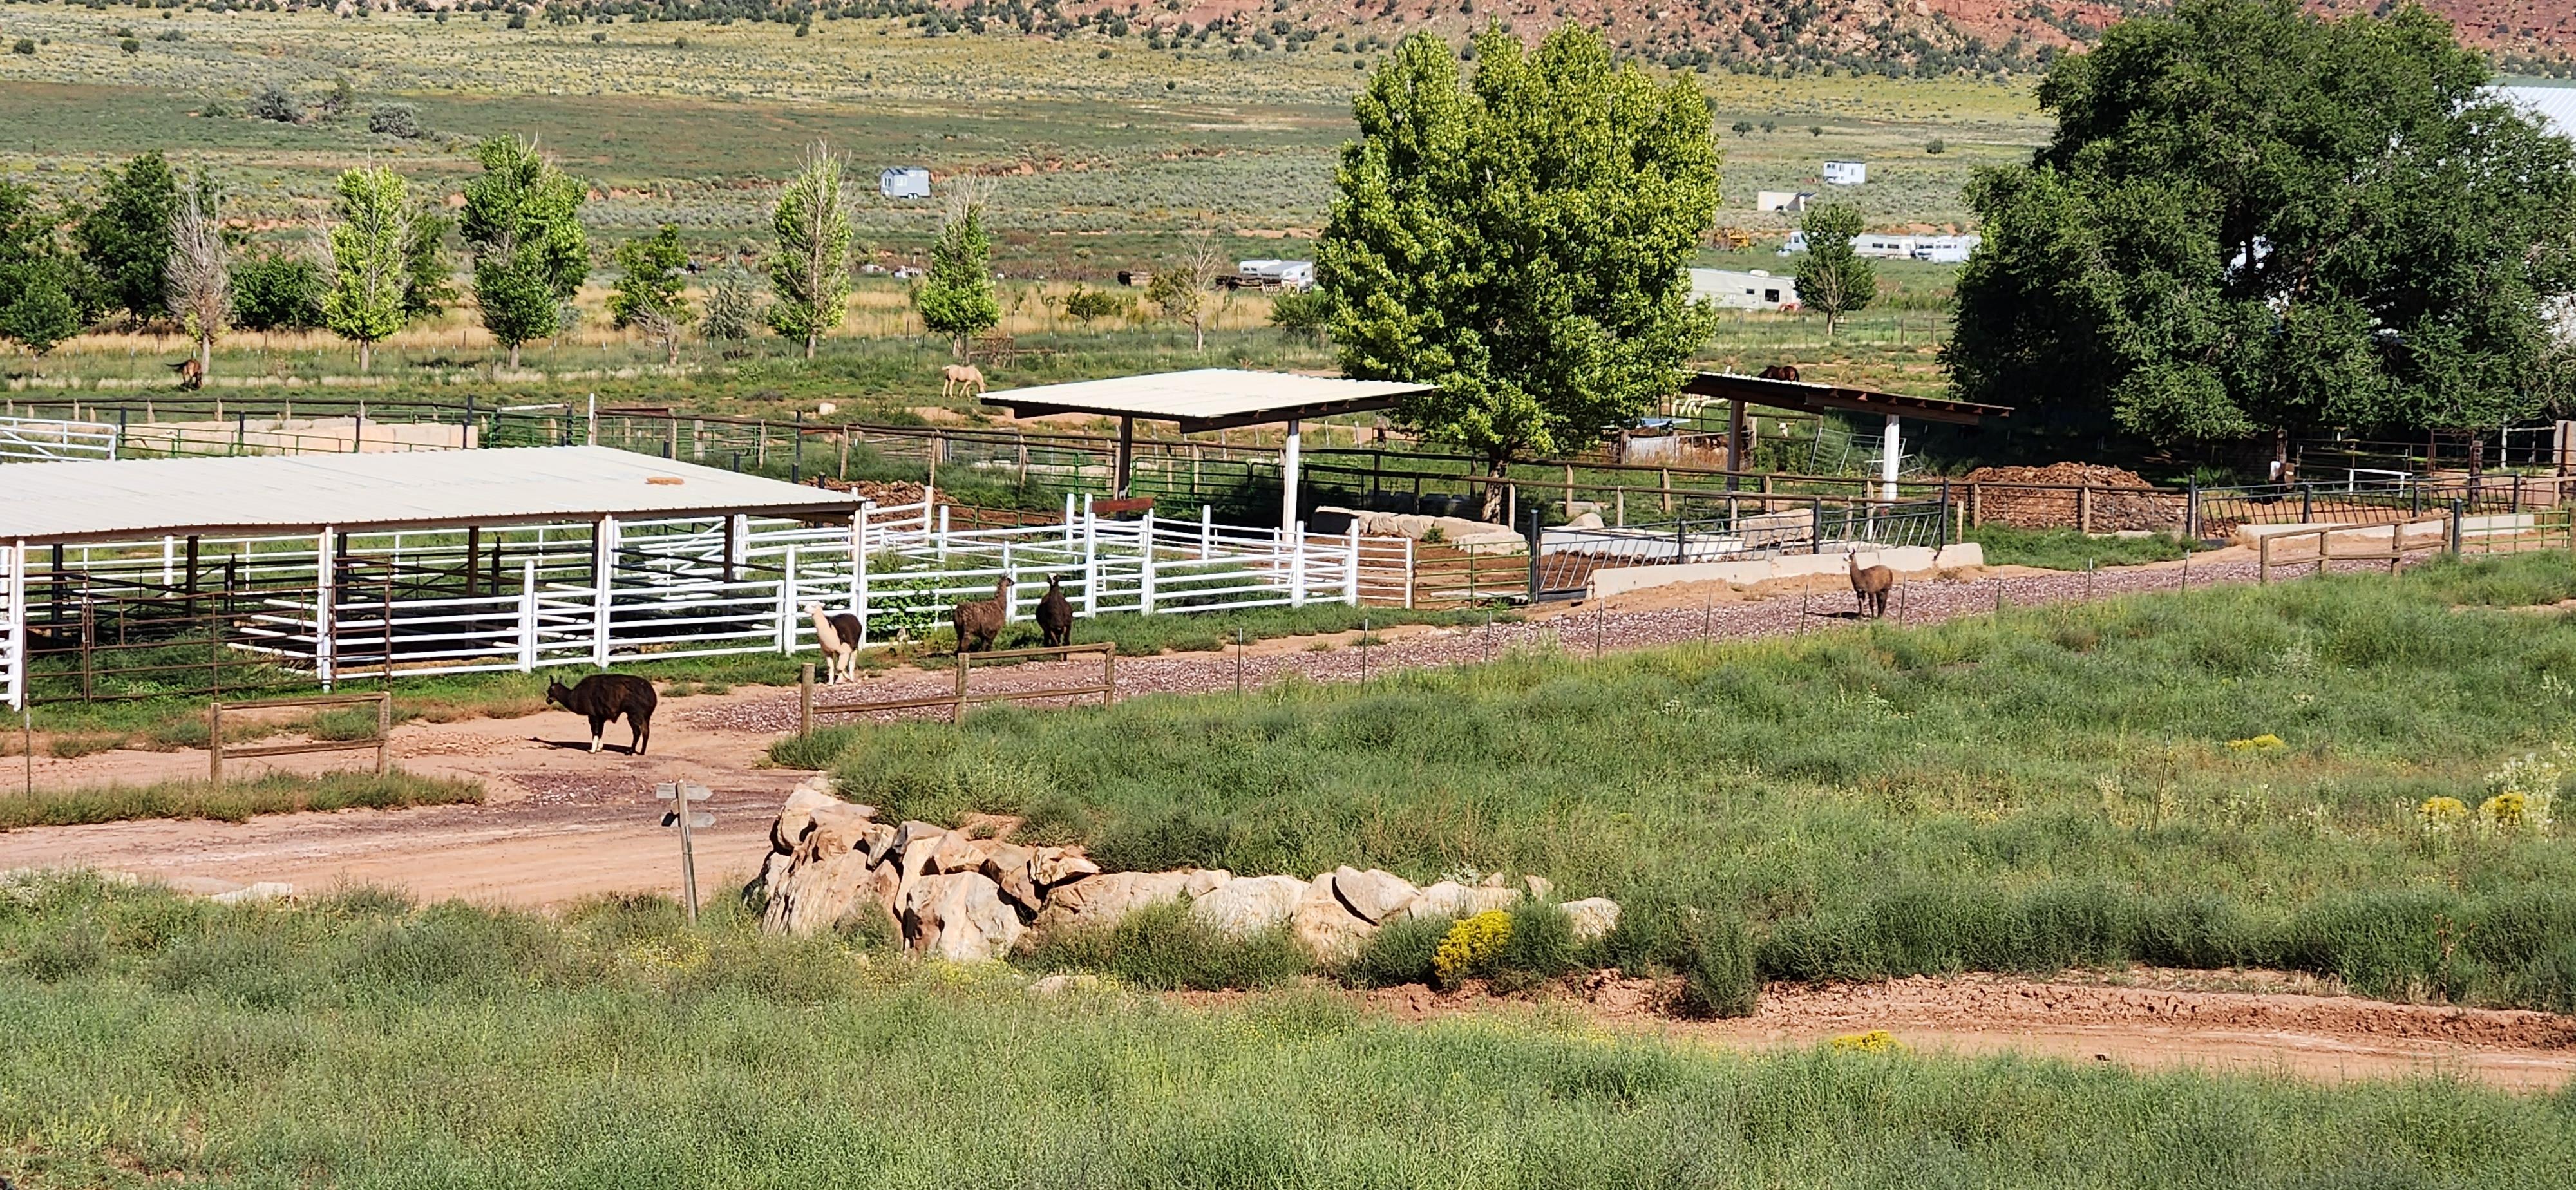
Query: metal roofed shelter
[(1808, 397), (50, 503), (1206, 399)]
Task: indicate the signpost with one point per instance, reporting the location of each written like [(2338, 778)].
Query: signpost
[(684, 816)]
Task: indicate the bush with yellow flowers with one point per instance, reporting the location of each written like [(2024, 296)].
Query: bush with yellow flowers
[(1876, 1041), (2441, 815), (1470, 947), (2261, 743)]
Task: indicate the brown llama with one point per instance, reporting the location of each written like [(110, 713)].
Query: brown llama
[(1870, 585), (979, 621), (1055, 614)]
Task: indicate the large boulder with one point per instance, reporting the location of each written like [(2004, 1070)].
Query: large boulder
[(1374, 895), (959, 917), (1052, 866), (1328, 928), (1097, 901), (1452, 899), (1009, 866), (822, 893), (954, 852), (797, 815), (1593, 917), (841, 827), (1249, 905)]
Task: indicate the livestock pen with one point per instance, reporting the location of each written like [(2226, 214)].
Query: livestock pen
[(219, 576)]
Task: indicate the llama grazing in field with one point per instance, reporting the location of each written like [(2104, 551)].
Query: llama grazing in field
[(979, 621), (602, 698), (1870, 585), (838, 635), (1055, 614)]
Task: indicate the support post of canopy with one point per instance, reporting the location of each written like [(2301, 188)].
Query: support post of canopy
[(1126, 455), (1288, 482), (1887, 456)]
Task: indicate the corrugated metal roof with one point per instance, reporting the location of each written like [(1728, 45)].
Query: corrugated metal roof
[(152, 497), (2556, 106), (1208, 397)]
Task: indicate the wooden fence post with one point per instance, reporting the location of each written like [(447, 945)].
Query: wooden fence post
[(957, 709), (384, 729), (805, 699), (2084, 509)]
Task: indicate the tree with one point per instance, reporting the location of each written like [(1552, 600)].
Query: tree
[(2252, 220), (430, 285), (1180, 286), (1518, 241), (198, 278), (124, 241), (733, 310), (522, 221), (277, 291), (365, 302), (1833, 280), (956, 297), (1086, 305), (648, 292), (809, 271), (37, 306), (1304, 316)]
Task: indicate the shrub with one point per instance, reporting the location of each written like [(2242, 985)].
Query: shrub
[(1541, 947), (275, 291), (1470, 948), (1401, 952), (24, 45), (1936, 146), (1716, 963), (1165, 947), (396, 119), (129, 45), (277, 104), (1303, 315)]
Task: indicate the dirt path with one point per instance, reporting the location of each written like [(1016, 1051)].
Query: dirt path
[(2147, 1020)]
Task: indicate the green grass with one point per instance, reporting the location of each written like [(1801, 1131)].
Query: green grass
[(362, 1043), (234, 801), (2052, 789), (2068, 549)]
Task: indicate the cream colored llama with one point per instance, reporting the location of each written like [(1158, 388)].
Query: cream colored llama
[(838, 635)]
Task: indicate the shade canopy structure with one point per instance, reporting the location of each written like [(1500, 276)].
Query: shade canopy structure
[(1204, 399), (1809, 397), (47, 503)]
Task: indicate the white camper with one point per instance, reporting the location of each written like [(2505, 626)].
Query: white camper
[(1729, 289), (1846, 173), (904, 182)]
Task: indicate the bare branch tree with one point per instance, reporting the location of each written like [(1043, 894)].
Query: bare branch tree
[(198, 278)]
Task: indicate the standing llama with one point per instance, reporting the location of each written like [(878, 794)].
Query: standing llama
[(1870, 585), (1055, 614), (979, 621), (838, 635), (601, 698)]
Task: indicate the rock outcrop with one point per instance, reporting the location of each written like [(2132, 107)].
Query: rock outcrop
[(969, 896)]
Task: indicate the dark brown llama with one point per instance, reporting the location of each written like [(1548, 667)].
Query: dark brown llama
[(602, 698), (979, 621), (1055, 614)]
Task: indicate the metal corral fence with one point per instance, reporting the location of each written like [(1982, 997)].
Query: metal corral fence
[(48, 440), (209, 616)]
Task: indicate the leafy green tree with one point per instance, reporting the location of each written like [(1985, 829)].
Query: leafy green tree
[(955, 297), (1518, 241), (2253, 220), (124, 241), (648, 293), (809, 270), (430, 286), (1087, 305), (277, 291), (1304, 316), (1180, 287), (37, 306), (365, 302), (522, 221), (1833, 280)]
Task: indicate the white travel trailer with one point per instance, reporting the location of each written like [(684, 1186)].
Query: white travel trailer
[(904, 182), (1729, 289), (1846, 173)]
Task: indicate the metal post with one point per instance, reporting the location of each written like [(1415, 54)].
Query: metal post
[(528, 616), (2190, 514), (1350, 571), (2307, 502), (325, 612), (1534, 545), (2458, 512), (796, 459), (603, 579), (384, 729), (957, 709), (214, 742), (1288, 480)]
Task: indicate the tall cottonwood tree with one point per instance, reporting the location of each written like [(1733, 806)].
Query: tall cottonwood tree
[(2253, 221), (124, 241), (1517, 240), (1181, 285), (809, 271), (1833, 280), (522, 222), (38, 306), (365, 301), (648, 293)]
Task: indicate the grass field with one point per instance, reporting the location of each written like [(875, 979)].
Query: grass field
[(2229, 777), (272, 793), (364, 1043)]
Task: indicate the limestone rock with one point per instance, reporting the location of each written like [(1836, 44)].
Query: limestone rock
[(254, 892), (1375, 895), (1250, 905), (1327, 928), (822, 892), (839, 828), (1052, 866), (1593, 917), (1452, 899), (796, 816), (1101, 900), (1009, 866), (959, 917), (1203, 881), (956, 853), (1539, 887), (1061, 983)]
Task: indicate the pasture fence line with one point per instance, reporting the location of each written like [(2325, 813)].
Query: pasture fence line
[(809, 711), (380, 743)]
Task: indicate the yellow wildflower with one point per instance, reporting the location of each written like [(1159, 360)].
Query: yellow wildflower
[(1471, 946), (1876, 1041)]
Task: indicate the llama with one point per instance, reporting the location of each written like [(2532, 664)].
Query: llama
[(960, 378), (1869, 585), (604, 697), (1780, 372), (1055, 614), (979, 621), (192, 373), (838, 635)]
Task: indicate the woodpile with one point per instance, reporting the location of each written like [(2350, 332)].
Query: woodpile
[(971, 895), (2087, 496)]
